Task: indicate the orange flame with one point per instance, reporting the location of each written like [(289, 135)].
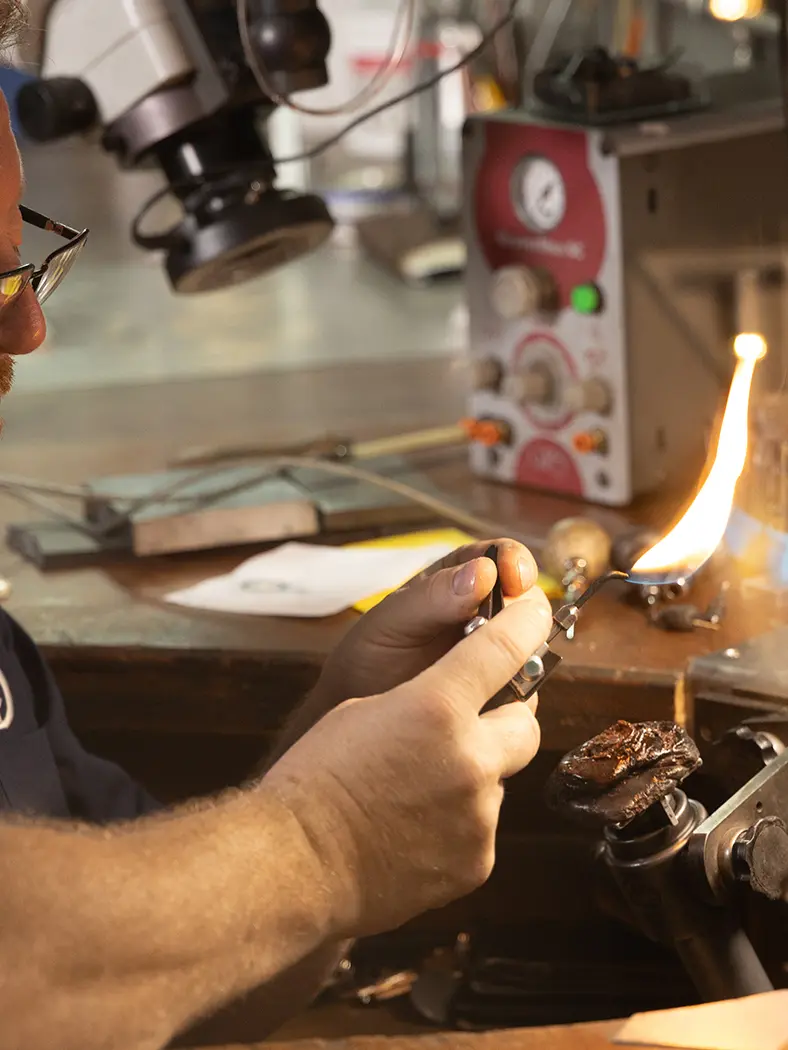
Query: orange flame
[(696, 536)]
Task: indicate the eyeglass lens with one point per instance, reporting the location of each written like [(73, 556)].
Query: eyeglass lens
[(57, 268), (12, 286)]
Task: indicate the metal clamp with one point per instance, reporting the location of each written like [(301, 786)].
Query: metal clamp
[(541, 664), (544, 661)]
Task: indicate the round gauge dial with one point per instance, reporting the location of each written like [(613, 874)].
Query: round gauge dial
[(539, 194)]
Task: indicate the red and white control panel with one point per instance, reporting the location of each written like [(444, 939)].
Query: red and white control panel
[(545, 295)]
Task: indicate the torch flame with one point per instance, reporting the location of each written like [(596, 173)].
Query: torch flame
[(696, 536), (734, 10)]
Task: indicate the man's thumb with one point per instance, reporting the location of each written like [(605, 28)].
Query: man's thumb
[(428, 604)]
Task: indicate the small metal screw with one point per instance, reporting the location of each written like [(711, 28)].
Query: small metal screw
[(474, 625), (533, 668), (732, 654)]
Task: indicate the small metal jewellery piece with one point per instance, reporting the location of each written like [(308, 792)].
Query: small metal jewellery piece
[(541, 664)]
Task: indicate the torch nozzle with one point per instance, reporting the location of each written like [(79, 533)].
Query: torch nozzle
[(598, 583)]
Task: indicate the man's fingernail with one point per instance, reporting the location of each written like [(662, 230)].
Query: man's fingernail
[(464, 579), (525, 570)]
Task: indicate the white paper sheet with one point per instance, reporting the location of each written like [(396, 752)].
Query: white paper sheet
[(301, 579), (757, 1022)]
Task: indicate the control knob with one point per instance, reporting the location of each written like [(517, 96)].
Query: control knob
[(760, 857), (589, 395), (519, 291), (534, 386)]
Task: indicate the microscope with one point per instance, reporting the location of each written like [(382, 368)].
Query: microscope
[(167, 84)]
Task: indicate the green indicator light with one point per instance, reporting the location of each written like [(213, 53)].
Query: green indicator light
[(586, 299)]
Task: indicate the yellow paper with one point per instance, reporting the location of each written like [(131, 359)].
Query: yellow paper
[(424, 538), (428, 537)]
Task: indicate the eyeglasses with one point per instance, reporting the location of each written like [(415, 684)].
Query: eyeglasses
[(44, 279)]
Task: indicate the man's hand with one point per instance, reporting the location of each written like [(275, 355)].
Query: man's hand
[(399, 794), (412, 628)]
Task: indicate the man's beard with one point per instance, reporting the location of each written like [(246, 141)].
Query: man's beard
[(6, 374)]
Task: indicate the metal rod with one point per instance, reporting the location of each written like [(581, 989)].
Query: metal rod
[(415, 441), (723, 965)]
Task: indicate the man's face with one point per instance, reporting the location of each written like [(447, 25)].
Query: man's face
[(22, 325)]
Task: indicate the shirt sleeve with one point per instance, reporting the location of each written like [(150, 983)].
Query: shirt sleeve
[(96, 790)]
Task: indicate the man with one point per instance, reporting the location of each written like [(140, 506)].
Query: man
[(121, 924)]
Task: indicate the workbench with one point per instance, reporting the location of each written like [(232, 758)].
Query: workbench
[(567, 1037), (188, 701), (215, 674)]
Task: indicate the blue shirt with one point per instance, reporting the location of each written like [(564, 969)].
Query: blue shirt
[(44, 770)]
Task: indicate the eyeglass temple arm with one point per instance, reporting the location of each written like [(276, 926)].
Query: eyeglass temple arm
[(41, 222)]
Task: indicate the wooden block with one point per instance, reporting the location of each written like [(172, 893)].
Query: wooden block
[(235, 506)]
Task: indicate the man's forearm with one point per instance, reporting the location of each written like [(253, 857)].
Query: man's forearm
[(125, 936), (267, 1007)]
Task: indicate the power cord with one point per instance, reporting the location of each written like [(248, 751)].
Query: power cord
[(440, 507), (276, 466), (417, 89)]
